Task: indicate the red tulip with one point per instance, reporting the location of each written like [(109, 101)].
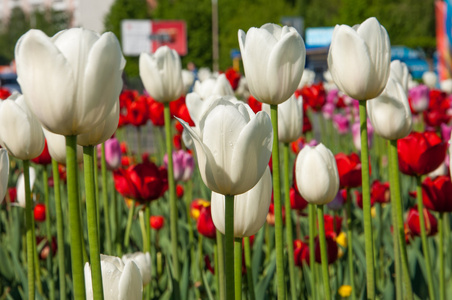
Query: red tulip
[(156, 222), (45, 250), (431, 225), (12, 193), (142, 182), (332, 224), (420, 153), (44, 158), (179, 191), (233, 77), (196, 206), (437, 194), (307, 126), (156, 112), (271, 213), (4, 93), (205, 224), (437, 111), (314, 96), (301, 250), (296, 200), (349, 168), (40, 212), (137, 112), (255, 105), (379, 192)]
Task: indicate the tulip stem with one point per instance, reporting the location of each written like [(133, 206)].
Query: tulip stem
[(36, 259), (323, 255), (370, 269), (60, 230), (238, 268), (279, 238), (103, 166), (96, 189), (91, 211), (249, 271), (172, 193), (351, 258), (312, 215), (229, 247), (289, 226), (74, 219), (29, 228), (397, 205), (442, 281), (220, 268), (45, 179), (144, 231), (129, 225), (425, 249)]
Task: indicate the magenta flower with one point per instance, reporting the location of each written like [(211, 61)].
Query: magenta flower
[(341, 123), (183, 165), (419, 97), (112, 153), (357, 137)]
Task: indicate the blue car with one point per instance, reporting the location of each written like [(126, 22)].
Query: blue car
[(9, 81)]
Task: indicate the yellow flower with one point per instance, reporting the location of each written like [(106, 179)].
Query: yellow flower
[(345, 291), (342, 239), (373, 212)]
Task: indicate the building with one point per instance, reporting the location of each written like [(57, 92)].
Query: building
[(88, 14)]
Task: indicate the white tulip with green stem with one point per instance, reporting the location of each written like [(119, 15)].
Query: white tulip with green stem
[(273, 60), (359, 61), (71, 83), (233, 147)]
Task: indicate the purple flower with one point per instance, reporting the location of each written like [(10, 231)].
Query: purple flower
[(341, 123), (357, 137), (183, 165), (337, 202), (420, 98), (112, 153)]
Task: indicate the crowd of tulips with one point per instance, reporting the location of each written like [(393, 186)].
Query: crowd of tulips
[(180, 191)]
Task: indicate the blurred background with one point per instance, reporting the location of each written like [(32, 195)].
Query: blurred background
[(205, 31)]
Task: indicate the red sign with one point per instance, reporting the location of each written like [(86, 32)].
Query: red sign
[(169, 33)]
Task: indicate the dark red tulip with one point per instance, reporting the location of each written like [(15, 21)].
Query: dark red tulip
[(437, 111), (271, 213), (156, 112), (44, 158), (431, 225), (420, 153), (45, 250), (302, 253), (349, 168), (314, 96), (137, 112), (296, 200), (332, 224), (40, 212), (379, 192), (205, 224), (142, 182), (233, 77), (156, 222), (437, 194), (4, 93), (307, 126)]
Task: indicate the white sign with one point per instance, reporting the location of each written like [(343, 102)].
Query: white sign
[(136, 37)]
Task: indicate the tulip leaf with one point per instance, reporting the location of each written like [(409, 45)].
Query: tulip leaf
[(262, 287), (184, 280), (256, 256), (207, 286)]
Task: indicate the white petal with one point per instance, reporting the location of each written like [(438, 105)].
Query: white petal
[(130, 285)]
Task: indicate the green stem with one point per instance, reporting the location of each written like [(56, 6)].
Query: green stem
[(60, 230), (117, 213), (442, 279), (96, 189), (425, 249), (107, 224), (312, 215), (323, 255), (217, 277), (279, 238), (29, 229), (172, 191), (144, 232), (351, 257), (397, 205), (74, 219), (36, 260), (397, 262), (249, 272), (289, 226), (370, 270), (129, 225), (200, 255), (238, 268), (191, 236), (147, 216), (220, 268), (91, 211), (45, 179), (229, 246)]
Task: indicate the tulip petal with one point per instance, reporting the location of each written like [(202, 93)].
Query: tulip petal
[(251, 153), (194, 104), (4, 172), (52, 104), (130, 285), (150, 76)]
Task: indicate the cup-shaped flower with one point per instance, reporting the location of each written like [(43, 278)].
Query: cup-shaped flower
[(233, 146), (412, 219), (219, 86), (390, 113), (446, 86), (187, 78), (156, 222), (359, 59), (400, 73), (72, 80), (420, 153), (349, 170), (44, 158), (183, 164), (161, 74), (4, 172), (20, 132), (112, 153), (379, 192), (205, 224), (120, 281), (437, 194), (290, 119), (273, 58), (430, 79), (250, 208), (39, 212), (57, 147), (103, 131), (419, 97), (20, 187), (317, 174), (143, 262)]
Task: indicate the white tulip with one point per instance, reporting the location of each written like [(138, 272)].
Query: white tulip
[(307, 78), (399, 71), (161, 74), (233, 146), (430, 79), (57, 147), (187, 78), (120, 281), (273, 59), (250, 208), (317, 175), (20, 132), (219, 86), (72, 80), (359, 59), (20, 186), (446, 86), (4, 172), (143, 262), (390, 112)]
